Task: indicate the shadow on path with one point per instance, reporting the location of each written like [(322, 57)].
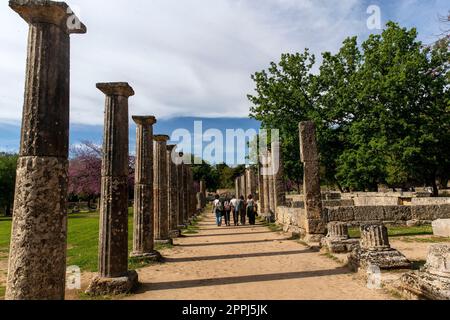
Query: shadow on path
[(237, 256), (228, 243), (227, 234), (237, 280)]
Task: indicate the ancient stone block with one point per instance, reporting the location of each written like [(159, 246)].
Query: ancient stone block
[(126, 284), (433, 281), (338, 239), (441, 228), (343, 214)]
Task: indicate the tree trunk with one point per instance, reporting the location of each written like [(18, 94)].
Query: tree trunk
[(435, 188)]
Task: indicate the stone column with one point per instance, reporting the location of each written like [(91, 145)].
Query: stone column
[(374, 237), (37, 258), (266, 195), (186, 194), (279, 186), (315, 225), (338, 231), (271, 186), (203, 193), (244, 186), (262, 204), (113, 276), (160, 189), (172, 193), (143, 238), (236, 187), (181, 195)]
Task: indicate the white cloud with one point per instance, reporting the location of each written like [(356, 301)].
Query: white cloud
[(183, 58)]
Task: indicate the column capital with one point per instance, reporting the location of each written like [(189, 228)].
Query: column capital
[(52, 12), (116, 89), (144, 120), (161, 138)]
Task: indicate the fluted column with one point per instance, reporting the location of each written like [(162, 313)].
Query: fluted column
[(143, 237), (37, 257), (181, 195), (172, 192), (266, 182), (113, 276), (271, 185), (374, 237), (262, 204), (160, 189), (338, 231)]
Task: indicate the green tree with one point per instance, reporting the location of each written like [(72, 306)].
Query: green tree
[(8, 165)]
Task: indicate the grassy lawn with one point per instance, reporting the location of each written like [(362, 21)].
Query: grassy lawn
[(82, 240), (399, 231)]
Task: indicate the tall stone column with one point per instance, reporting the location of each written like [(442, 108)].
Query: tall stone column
[(236, 187), (271, 186), (172, 193), (181, 195), (143, 238), (203, 193), (266, 182), (160, 179), (262, 204), (113, 276), (315, 225), (278, 177), (186, 194), (244, 186), (37, 258)]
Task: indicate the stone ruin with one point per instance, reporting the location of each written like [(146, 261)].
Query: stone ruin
[(433, 281), (375, 250), (338, 239)]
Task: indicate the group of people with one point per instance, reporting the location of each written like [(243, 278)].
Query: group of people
[(236, 207)]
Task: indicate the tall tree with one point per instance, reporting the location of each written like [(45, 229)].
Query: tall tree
[(8, 165)]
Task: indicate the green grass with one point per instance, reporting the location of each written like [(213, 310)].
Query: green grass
[(399, 231), (272, 226), (82, 240), (2, 292), (425, 240)]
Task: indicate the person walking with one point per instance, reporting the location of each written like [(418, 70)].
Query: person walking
[(218, 210), (235, 209), (251, 210), (242, 210), (227, 209)]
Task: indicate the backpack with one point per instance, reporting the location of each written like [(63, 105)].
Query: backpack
[(227, 206), (251, 205), (219, 206)]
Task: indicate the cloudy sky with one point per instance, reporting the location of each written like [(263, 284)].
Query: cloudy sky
[(189, 59)]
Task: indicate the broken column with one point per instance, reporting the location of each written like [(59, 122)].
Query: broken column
[(37, 258), (113, 277), (338, 239), (160, 189), (143, 242), (432, 282), (279, 186), (315, 224), (375, 250), (172, 192)]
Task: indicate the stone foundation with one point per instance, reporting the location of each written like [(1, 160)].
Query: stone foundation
[(433, 281), (114, 286), (153, 256), (375, 250), (338, 239)]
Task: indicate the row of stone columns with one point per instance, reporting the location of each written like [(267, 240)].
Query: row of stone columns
[(247, 184), (272, 185), (164, 198)]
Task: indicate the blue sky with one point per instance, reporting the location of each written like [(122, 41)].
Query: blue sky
[(189, 60)]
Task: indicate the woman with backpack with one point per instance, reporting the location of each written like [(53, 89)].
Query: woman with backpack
[(251, 210), (235, 209), (227, 210), (218, 210)]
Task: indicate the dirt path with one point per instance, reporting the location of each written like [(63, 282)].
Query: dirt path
[(247, 263)]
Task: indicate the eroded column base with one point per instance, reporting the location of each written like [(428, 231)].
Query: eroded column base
[(425, 286), (175, 234), (339, 245), (153, 256), (164, 241), (114, 286), (313, 238), (386, 260)]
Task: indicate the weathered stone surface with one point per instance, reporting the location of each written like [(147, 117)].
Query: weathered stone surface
[(181, 216), (102, 286), (172, 193), (113, 276), (278, 177), (433, 281), (143, 243), (37, 263), (441, 228), (160, 189), (266, 183), (338, 239), (48, 12), (311, 182), (37, 259), (430, 212), (376, 250)]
